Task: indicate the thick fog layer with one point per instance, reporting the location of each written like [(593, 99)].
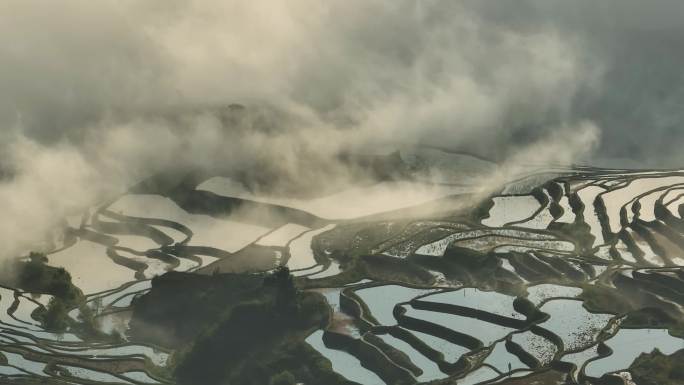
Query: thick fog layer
[(96, 95)]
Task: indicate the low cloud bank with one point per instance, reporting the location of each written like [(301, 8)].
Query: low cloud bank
[(95, 96)]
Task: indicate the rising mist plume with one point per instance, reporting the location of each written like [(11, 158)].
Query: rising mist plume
[(111, 92)]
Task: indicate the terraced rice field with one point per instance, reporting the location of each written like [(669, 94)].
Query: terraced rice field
[(549, 250), (531, 282), (131, 255), (29, 351)]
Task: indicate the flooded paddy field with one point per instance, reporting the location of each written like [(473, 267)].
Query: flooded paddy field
[(571, 274), (556, 282)]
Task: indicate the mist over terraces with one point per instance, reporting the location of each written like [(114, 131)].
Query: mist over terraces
[(386, 192)]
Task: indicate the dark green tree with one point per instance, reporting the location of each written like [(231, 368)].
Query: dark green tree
[(56, 317), (286, 290), (282, 378)]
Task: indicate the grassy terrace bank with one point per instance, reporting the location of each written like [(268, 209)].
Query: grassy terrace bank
[(235, 328)]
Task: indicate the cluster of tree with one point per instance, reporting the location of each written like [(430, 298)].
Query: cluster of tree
[(35, 276), (56, 316), (235, 328), (286, 301), (656, 368), (180, 306), (282, 378), (38, 277)]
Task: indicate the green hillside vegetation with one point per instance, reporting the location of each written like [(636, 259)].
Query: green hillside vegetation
[(656, 368), (235, 328), (34, 275)]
